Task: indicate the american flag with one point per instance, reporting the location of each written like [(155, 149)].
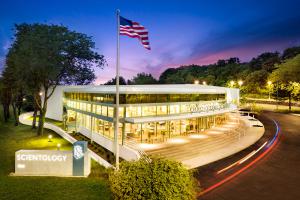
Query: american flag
[(134, 30)]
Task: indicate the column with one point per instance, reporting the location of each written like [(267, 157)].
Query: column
[(123, 125)]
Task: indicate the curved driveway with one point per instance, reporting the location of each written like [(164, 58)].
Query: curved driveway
[(277, 176)]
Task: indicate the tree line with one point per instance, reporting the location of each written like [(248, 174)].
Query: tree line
[(281, 70)]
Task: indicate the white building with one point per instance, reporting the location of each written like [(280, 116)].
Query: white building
[(148, 113)]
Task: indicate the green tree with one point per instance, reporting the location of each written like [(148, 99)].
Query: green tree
[(255, 81), (287, 76), (122, 81), (15, 88), (45, 56), (266, 61), (290, 52), (142, 79), (158, 179), (5, 98)]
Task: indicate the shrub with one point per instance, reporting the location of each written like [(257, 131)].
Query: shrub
[(158, 179)]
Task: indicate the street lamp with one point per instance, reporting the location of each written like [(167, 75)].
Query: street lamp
[(196, 82), (49, 137), (269, 86), (40, 93), (240, 82), (232, 83)]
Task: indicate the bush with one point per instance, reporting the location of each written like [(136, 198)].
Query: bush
[(158, 179)]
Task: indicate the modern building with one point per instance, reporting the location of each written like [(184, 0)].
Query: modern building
[(148, 113)]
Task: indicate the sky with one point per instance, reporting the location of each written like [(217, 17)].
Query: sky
[(181, 32)]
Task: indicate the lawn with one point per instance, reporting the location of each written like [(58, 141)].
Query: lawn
[(22, 137)]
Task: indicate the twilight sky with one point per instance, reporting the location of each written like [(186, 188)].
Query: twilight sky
[(180, 32)]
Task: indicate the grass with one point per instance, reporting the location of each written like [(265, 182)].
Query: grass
[(43, 188)]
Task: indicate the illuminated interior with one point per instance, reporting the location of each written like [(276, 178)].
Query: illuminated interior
[(95, 113)]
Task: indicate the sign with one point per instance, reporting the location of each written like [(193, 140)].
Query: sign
[(81, 166), (200, 107), (43, 162), (54, 162)]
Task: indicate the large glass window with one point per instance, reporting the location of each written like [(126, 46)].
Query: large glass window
[(144, 98)]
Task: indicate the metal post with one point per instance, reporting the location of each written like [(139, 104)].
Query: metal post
[(277, 95), (116, 119)]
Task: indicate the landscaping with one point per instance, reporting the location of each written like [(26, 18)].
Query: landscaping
[(14, 138)]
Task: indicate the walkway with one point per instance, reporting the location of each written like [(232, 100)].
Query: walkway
[(25, 119), (214, 144)]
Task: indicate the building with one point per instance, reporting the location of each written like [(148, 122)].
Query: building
[(148, 113)]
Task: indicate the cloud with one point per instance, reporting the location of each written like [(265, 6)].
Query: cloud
[(254, 33)]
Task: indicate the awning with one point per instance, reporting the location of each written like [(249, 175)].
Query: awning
[(136, 120)]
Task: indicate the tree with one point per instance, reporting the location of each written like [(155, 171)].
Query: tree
[(122, 81), (158, 179), (255, 81), (287, 76), (45, 56), (5, 98), (15, 89), (290, 52), (265, 61), (142, 79), (167, 73)]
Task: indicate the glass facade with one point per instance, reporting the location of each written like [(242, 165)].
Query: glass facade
[(143, 98), (95, 112)]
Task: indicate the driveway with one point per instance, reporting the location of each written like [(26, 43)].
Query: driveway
[(276, 176)]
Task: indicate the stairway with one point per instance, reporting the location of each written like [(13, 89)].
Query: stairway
[(196, 147)]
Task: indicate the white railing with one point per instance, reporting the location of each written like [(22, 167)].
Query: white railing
[(24, 119)]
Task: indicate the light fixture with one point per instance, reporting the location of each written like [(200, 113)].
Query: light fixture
[(232, 83), (269, 83), (240, 82), (196, 82), (58, 146), (40, 93), (204, 83), (50, 138)]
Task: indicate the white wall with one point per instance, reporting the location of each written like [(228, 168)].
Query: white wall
[(125, 152), (233, 95), (55, 104)]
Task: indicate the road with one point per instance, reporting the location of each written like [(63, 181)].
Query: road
[(277, 176)]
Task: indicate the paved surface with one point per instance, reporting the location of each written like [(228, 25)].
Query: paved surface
[(214, 144), (277, 176)]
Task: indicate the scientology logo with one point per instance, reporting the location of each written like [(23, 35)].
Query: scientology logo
[(78, 152), (80, 158)]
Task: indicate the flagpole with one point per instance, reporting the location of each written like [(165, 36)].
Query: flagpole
[(116, 124)]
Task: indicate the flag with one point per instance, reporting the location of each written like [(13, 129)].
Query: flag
[(134, 30)]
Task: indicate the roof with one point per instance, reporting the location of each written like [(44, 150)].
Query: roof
[(149, 89)]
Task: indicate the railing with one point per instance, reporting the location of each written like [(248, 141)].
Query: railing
[(130, 142)]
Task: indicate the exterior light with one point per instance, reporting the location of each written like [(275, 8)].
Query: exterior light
[(204, 82), (24, 99), (50, 138), (58, 146), (240, 82), (40, 93), (232, 83), (196, 82), (269, 83)]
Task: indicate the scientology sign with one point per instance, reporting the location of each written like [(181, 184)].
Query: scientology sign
[(206, 107), (54, 163)]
